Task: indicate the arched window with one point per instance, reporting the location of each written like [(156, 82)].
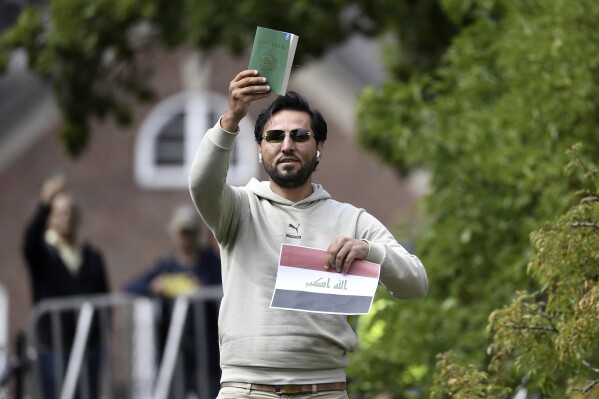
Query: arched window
[(169, 137)]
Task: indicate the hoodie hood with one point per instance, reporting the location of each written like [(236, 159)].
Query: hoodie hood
[(262, 189)]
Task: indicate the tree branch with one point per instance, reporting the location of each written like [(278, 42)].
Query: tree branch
[(585, 224), (586, 389), (591, 383), (541, 328), (588, 365)]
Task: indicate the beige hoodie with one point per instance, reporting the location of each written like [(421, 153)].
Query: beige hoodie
[(275, 346)]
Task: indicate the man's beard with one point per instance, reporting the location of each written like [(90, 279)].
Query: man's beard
[(291, 180)]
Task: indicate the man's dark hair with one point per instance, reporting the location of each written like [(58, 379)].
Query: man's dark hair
[(295, 102)]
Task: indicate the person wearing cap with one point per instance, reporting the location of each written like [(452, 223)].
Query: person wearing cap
[(185, 270), (268, 352)]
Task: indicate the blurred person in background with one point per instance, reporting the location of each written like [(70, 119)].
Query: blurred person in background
[(61, 264), (185, 270)]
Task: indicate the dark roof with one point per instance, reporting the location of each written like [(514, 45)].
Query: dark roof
[(19, 92)]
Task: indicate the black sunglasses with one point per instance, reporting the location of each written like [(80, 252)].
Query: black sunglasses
[(277, 136)]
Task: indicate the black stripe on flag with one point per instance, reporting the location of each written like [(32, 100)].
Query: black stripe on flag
[(316, 302)]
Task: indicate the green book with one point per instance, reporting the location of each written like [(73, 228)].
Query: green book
[(272, 56)]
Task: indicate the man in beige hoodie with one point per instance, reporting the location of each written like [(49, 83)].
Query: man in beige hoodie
[(267, 352)]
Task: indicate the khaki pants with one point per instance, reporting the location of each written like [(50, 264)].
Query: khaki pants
[(243, 393)]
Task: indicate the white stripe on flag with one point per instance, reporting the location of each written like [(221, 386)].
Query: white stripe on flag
[(297, 279)]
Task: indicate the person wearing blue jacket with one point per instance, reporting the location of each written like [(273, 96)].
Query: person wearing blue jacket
[(185, 270)]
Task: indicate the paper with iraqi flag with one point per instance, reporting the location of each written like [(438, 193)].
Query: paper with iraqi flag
[(303, 284)]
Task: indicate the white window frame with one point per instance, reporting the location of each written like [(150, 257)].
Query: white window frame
[(195, 105)]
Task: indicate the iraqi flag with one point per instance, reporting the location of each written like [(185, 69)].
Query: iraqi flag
[(303, 284)]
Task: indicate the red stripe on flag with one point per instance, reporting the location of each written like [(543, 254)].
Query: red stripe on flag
[(314, 259)]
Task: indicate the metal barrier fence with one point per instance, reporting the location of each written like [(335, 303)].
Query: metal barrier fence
[(125, 346), (3, 337)]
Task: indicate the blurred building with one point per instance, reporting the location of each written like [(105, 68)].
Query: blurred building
[(130, 178)]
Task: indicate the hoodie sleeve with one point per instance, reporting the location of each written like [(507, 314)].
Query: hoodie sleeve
[(402, 273), (217, 202)]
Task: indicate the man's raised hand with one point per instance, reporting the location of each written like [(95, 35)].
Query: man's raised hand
[(245, 88)]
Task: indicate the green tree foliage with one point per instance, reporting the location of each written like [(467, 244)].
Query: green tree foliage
[(517, 87), (88, 50), (550, 336)]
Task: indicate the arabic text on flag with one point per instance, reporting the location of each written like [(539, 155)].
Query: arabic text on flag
[(304, 284)]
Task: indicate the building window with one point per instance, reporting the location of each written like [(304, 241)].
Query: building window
[(170, 142), (169, 137)]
